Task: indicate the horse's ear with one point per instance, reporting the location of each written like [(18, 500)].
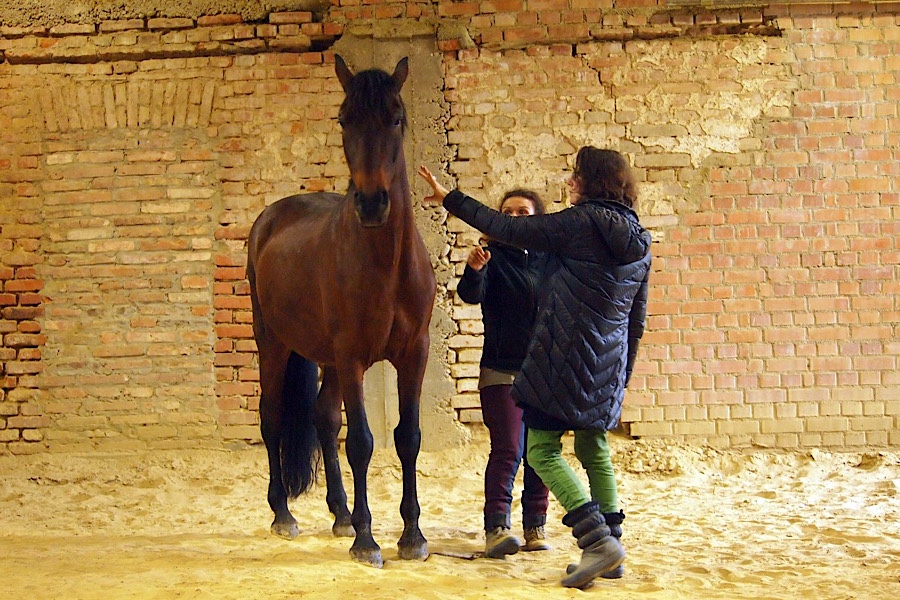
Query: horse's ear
[(401, 71), (343, 73)]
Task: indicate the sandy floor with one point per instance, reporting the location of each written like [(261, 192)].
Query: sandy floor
[(700, 523)]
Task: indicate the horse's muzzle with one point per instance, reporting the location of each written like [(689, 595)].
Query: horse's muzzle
[(372, 210)]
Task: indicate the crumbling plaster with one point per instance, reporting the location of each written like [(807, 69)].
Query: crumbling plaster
[(48, 13)]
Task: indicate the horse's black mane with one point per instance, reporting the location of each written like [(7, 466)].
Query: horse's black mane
[(373, 93)]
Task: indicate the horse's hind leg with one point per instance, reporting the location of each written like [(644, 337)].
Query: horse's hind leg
[(272, 367), (328, 424), (407, 439)]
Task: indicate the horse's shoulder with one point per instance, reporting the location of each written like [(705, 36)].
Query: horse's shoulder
[(313, 201), (294, 209), (302, 206)]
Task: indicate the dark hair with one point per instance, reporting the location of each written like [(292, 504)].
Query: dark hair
[(536, 201), (605, 174)]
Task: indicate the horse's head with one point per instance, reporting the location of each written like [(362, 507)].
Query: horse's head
[(373, 120)]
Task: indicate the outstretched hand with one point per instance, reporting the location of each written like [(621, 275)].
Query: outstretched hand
[(439, 191)]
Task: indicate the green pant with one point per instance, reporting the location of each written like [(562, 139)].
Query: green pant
[(592, 450)]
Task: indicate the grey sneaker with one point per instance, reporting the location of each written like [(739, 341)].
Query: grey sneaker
[(499, 543), (535, 540)]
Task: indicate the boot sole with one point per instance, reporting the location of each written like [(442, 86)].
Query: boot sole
[(571, 569), (616, 573)]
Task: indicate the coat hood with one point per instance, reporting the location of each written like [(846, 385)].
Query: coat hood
[(625, 239)]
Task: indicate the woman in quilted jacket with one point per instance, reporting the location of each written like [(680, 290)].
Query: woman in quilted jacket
[(581, 356)]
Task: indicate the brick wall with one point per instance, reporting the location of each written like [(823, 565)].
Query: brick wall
[(21, 311), (769, 181), (137, 153)]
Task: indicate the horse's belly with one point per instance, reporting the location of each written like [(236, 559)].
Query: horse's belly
[(319, 328)]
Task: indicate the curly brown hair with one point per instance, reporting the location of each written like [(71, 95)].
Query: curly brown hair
[(605, 174)]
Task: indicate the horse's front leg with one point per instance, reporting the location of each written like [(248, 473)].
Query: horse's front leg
[(359, 453), (407, 440), (328, 424)]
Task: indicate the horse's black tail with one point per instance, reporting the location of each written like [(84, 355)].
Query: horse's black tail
[(300, 450)]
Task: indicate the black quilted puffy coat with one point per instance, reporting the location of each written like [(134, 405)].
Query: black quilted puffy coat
[(592, 310)]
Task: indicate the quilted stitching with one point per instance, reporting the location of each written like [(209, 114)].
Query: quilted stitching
[(583, 324)]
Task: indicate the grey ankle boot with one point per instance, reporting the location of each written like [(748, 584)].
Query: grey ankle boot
[(614, 520), (601, 552)]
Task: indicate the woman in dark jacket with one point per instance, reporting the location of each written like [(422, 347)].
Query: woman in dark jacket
[(582, 353), (505, 279)]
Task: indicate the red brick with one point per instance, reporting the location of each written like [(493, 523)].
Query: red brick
[(458, 9), (217, 20), (240, 359), (580, 31), (495, 6), (23, 285), (230, 273), (525, 34), (234, 331)]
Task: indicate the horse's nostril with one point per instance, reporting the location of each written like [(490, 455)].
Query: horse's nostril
[(372, 210)]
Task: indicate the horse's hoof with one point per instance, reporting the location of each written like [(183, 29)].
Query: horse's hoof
[(343, 529), (369, 557), (414, 552), (287, 531)]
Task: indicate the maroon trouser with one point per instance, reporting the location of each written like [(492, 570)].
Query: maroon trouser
[(504, 422)]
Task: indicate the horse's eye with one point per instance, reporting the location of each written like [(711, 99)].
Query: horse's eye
[(398, 122)]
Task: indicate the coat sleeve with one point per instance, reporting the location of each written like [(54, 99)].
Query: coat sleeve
[(573, 232), (545, 233), (636, 319), (471, 285)]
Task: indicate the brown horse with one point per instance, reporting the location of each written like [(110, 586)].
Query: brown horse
[(342, 282)]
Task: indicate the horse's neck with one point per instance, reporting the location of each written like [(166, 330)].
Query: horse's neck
[(402, 221), (401, 200)]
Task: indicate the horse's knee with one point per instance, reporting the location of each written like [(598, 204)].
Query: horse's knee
[(407, 440), (408, 432), (360, 445)]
